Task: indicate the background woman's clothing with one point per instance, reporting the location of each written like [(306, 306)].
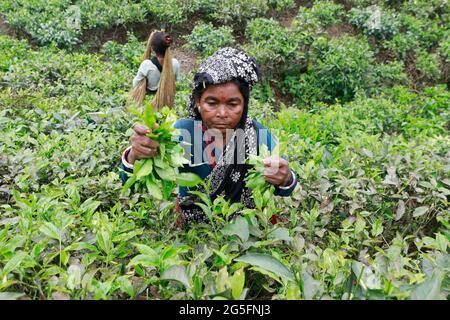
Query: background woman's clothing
[(150, 70)]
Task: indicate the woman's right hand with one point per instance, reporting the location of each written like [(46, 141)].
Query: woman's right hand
[(142, 147)]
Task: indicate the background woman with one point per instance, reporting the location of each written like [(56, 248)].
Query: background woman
[(157, 74)]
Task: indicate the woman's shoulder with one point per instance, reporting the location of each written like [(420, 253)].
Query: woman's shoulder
[(258, 125), (185, 123), (148, 65)]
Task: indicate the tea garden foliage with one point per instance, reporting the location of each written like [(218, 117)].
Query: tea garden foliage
[(366, 124)]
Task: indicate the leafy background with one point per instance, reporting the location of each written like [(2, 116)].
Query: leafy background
[(357, 89)]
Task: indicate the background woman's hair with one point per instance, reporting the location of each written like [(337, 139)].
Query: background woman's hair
[(243, 86), (156, 42), (159, 42)]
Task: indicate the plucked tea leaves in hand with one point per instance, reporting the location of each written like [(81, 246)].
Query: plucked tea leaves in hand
[(158, 176)]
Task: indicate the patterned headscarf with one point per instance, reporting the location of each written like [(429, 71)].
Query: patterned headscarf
[(227, 177)]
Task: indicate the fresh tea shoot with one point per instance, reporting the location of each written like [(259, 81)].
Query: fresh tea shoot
[(262, 191), (159, 175), (255, 178)]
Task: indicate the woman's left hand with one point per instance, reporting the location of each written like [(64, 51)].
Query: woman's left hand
[(277, 171)]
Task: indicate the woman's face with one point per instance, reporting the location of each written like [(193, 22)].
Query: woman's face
[(221, 106)]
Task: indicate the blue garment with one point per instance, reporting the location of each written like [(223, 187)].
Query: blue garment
[(199, 162)]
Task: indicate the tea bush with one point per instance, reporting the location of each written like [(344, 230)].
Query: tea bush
[(12, 51), (389, 74), (417, 32), (270, 42), (323, 13), (234, 12), (62, 22), (130, 53), (444, 48), (105, 14), (205, 39), (281, 5), (428, 65), (80, 78), (375, 21), (65, 22), (337, 69), (425, 9), (168, 12), (45, 21)]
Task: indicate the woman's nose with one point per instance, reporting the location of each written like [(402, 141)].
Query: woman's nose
[(222, 111)]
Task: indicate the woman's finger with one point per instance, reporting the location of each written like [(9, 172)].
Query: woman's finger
[(270, 161), (143, 141), (271, 171), (141, 129), (144, 152), (149, 143), (274, 181)]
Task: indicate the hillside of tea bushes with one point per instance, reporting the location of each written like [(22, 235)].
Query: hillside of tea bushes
[(357, 90)]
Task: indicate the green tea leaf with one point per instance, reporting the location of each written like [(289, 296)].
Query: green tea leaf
[(377, 227), (131, 180), (144, 260), (104, 241), (281, 234), (420, 211), (206, 209), (360, 224), (11, 295), (267, 262), (146, 250), (400, 210), (178, 160), (177, 273), (167, 188), (430, 289), (149, 116), (237, 282), (50, 230), (225, 258), (153, 189), (310, 286), (146, 169), (77, 246), (166, 174), (74, 276), (125, 285), (239, 227), (188, 179), (90, 205), (13, 263)]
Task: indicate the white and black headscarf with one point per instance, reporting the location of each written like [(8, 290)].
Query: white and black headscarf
[(227, 177)]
